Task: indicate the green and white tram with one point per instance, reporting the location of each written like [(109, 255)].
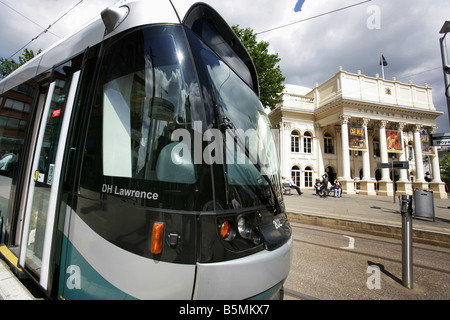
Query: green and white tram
[(138, 163)]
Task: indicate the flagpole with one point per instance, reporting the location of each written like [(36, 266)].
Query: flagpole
[(382, 64)]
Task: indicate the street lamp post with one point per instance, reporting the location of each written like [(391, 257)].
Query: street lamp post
[(446, 68)]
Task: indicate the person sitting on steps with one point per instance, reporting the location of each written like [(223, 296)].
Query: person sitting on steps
[(292, 185), (337, 189)]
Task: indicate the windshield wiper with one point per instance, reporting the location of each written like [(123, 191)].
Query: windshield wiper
[(226, 126)]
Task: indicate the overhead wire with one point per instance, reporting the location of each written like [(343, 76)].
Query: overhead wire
[(261, 32), (24, 16), (330, 12), (314, 17), (272, 29), (46, 29)]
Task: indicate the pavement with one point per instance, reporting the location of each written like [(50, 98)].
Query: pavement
[(11, 288), (377, 215)]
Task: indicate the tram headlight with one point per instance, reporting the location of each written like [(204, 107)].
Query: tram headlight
[(244, 228)]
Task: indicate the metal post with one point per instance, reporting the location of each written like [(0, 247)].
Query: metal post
[(446, 75), (407, 253), (393, 178)]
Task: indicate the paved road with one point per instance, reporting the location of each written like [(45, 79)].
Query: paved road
[(377, 215), (333, 264)]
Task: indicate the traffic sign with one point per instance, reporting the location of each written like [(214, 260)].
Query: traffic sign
[(395, 165), (401, 165), (440, 139)]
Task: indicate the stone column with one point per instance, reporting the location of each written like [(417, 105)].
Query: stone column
[(366, 159), (419, 182), (346, 180), (285, 148), (385, 184), (418, 153), (367, 183), (383, 150), (436, 184), (404, 186), (317, 144)]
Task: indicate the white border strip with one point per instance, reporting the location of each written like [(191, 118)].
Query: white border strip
[(37, 149), (52, 203)]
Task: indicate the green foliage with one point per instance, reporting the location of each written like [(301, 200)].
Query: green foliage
[(445, 168), (9, 65), (269, 73)]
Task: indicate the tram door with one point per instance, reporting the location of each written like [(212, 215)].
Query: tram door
[(43, 182)]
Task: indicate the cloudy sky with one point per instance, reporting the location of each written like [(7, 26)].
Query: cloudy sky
[(322, 36)]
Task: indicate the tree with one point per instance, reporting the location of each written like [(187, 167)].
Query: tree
[(445, 168), (269, 73), (9, 65)]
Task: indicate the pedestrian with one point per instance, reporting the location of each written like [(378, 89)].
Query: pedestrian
[(317, 186), (292, 185), (337, 189)]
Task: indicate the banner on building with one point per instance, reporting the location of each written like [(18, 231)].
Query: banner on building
[(357, 139), (394, 141), (427, 148)]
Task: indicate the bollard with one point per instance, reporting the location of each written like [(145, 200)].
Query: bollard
[(407, 253)]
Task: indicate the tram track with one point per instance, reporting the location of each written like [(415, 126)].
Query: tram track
[(367, 254), (297, 295)]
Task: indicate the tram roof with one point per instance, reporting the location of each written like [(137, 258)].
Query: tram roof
[(139, 13)]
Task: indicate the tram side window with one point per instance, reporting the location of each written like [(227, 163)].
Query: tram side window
[(250, 156), (14, 117), (141, 109)]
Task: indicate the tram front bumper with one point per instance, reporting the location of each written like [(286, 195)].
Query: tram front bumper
[(243, 278)]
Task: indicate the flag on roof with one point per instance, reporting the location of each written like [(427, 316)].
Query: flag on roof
[(298, 6), (383, 61)]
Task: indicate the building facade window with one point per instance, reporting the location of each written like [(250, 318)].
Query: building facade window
[(307, 143), (328, 143), (376, 147), (295, 174), (410, 152), (295, 141), (308, 177)]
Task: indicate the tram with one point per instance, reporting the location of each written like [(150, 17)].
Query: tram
[(138, 163)]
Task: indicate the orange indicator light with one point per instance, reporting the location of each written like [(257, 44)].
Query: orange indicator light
[(157, 237)]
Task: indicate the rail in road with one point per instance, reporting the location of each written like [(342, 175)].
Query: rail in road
[(333, 264)]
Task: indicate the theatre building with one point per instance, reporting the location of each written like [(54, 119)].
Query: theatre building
[(351, 124)]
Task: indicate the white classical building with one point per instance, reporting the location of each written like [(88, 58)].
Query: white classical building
[(350, 124)]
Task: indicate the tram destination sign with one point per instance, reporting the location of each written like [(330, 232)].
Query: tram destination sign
[(440, 139)]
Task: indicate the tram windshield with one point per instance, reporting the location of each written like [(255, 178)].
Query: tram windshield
[(148, 93), (144, 101), (250, 158)]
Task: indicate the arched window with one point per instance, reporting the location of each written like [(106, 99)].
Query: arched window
[(295, 174), (307, 142), (328, 143), (295, 141), (308, 177)]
